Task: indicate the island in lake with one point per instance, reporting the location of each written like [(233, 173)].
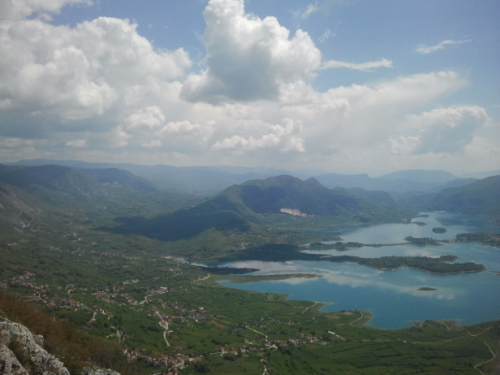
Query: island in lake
[(419, 223), (282, 253), (428, 264), (439, 230), (489, 239), (339, 246), (421, 241)]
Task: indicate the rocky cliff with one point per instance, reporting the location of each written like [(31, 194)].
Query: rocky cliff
[(22, 353)]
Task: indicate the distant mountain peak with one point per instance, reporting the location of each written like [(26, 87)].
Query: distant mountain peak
[(421, 175), (313, 181)]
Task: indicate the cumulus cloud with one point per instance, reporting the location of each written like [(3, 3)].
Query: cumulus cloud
[(366, 67), (145, 118), (148, 128), (441, 45), (119, 137), (447, 130), (365, 115), (185, 127), (285, 138), (248, 57), (440, 131), (100, 90), (20, 9), (78, 73)]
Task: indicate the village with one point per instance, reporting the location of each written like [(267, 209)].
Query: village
[(155, 304)]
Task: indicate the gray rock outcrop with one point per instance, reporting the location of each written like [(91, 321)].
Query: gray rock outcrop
[(9, 363), (28, 346), (28, 356)]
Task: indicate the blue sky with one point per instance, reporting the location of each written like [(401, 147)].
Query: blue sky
[(348, 86)]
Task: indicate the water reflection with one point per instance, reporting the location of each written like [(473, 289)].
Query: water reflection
[(396, 298)]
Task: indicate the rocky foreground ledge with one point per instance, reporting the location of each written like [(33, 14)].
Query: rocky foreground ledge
[(22, 353)]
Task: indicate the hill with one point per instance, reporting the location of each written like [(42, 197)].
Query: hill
[(478, 198), (115, 177), (64, 186), (275, 194), (209, 180), (201, 180), (17, 208), (28, 194), (459, 182), (241, 208)]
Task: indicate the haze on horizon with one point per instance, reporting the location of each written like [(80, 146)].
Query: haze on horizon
[(347, 86)]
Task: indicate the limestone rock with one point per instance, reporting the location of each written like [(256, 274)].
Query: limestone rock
[(9, 365), (28, 350), (41, 360)]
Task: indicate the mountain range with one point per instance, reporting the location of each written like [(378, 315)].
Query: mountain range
[(238, 208), (27, 191), (59, 185), (480, 197), (210, 180)]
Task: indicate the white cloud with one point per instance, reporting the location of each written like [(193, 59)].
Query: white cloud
[(100, 84), (447, 130), (119, 138), (285, 138), (366, 67), (401, 145), (483, 154), (20, 9), (364, 115), (441, 45), (78, 73), (14, 149), (247, 57), (326, 35), (181, 128), (148, 128), (152, 144), (145, 118), (311, 9), (79, 143), (318, 7)]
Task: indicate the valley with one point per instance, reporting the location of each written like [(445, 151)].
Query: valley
[(127, 266)]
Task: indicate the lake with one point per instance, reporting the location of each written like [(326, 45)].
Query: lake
[(393, 297)]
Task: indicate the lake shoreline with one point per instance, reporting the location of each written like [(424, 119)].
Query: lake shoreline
[(462, 293)]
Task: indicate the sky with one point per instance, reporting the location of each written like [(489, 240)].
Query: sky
[(345, 86)]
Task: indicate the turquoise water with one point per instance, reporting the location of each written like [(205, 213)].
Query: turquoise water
[(393, 297)]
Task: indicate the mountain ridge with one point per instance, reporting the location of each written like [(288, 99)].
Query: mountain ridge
[(209, 180), (239, 208), (480, 197), (59, 185)]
